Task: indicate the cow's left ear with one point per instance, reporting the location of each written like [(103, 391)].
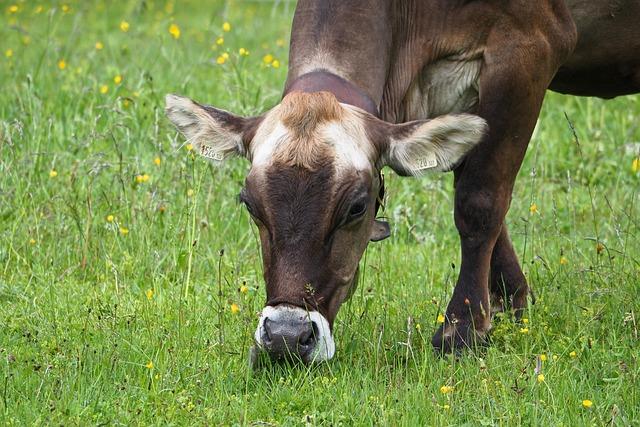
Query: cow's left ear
[(436, 145), (215, 134)]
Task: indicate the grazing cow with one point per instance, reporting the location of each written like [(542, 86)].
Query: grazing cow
[(411, 85)]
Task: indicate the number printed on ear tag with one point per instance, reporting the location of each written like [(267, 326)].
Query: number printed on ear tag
[(210, 153), (427, 162)]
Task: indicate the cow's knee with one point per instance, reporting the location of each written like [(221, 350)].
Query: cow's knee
[(479, 215)]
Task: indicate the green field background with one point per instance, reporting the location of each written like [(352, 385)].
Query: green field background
[(131, 279)]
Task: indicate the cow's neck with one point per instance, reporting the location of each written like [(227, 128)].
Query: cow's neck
[(344, 38), (400, 54)]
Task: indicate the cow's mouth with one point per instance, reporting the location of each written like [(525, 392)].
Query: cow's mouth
[(292, 333)]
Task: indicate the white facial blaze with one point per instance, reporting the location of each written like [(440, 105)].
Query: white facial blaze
[(266, 141), (324, 348), (349, 139)]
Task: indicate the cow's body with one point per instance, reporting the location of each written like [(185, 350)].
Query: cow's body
[(421, 59), (316, 157)]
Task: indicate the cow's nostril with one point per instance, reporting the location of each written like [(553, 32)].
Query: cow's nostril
[(308, 335), (267, 329)]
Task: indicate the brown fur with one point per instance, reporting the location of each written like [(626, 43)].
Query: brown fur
[(302, 113)]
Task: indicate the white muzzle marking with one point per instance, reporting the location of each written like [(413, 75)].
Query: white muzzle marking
[(324, 348)]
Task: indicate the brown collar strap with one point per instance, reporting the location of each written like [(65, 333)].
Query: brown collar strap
[(345, 91)]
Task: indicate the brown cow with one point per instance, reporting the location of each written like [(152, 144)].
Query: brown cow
[(358, 67)]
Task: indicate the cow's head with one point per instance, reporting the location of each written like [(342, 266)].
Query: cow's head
[(312, 191)]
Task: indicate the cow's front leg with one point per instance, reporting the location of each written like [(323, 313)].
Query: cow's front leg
[(480, 207), (517, 70)]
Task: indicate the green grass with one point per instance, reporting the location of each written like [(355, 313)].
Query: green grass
[(79, 325)]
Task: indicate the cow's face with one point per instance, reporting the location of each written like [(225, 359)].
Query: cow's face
[(312, 191)]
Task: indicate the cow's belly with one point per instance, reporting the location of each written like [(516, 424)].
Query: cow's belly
[(606, 60), (446, 86)]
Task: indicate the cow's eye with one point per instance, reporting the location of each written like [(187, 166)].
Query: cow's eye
[(357, 210)]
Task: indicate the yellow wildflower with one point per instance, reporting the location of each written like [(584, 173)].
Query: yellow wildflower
[(124, 231), (53, 173), (140, 179), (149, 365), (220, 41), (440, 318), (225, 55), (635, 165), (117, 79), (38, 9), (32, 241), (525, 320), (563, 261), (540, 378), (174, 30), (267, 59), (104, 89), (13, 8), (99, 45), (555, 357), (533, 209), (220, 60), (65, 8), (524, 330), (189, 146), (124, 26), (235, 309), (446, 389), (26, 40), (244, 289), (543, 357), (110, 218), (573, 354), (226, 27), (587, 403), (162, 208), (126, 103), (275, 63), (157, 161), (243, 52), (62, 64), (149, 294), (8, 53), (280, 42), (190, 192)]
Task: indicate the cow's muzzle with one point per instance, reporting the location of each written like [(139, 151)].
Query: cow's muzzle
[(293, 333)]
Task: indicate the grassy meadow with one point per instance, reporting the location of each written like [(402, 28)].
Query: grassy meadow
[(131, 279)]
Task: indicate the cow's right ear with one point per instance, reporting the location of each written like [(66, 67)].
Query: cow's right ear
[(215, 134)]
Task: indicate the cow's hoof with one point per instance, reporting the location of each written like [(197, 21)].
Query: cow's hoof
[(457, 337)]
